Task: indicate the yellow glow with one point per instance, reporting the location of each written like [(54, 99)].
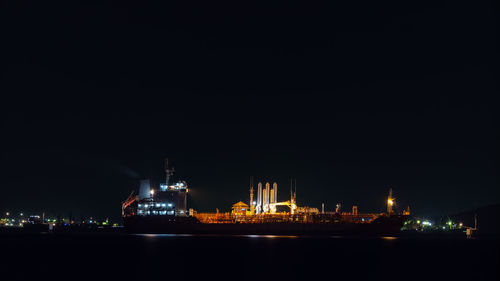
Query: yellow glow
[(389, 238), (390, 202), (152, 192)]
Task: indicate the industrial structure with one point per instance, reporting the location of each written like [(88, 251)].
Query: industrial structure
[(267, 199), (165, 210)]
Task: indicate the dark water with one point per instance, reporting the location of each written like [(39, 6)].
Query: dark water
[(171, 257)]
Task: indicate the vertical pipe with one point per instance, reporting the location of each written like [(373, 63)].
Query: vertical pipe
[(259, 198), (266, 201), (275, 188), (268, 187)]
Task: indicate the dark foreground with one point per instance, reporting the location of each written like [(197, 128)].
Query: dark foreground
[(101, 256)]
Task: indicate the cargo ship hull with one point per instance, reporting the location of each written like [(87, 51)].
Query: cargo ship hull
[(383, 226)]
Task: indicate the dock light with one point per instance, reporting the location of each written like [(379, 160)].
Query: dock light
[(460, 224), (418, 222), (390, 202), (7, 214), (152, 192)]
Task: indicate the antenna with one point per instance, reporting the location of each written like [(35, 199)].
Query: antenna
[(169, 172), (295, 193), (475, 221), (252, 205)]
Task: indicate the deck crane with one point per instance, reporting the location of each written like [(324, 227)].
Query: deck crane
[(130, 199)]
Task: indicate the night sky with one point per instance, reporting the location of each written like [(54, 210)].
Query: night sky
[(350, 98)]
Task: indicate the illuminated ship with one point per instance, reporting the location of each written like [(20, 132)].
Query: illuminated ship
[(164, 211)]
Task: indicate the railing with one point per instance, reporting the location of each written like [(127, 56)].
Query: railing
[(280, 218)]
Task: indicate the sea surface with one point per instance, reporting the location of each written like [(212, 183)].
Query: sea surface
[(120, 256)]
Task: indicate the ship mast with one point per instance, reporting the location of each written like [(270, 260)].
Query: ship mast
[(169, 172), (390, 203), (293, 196), (252, 205)]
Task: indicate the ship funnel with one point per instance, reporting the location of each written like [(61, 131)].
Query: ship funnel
[(144, 189)]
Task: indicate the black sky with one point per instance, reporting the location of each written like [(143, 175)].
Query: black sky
[(350, 98)]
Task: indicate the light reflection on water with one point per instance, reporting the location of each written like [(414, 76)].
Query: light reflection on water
[(389, 237), (151, 235), (269, 236)]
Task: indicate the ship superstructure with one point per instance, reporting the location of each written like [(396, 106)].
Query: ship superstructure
[(168, 200)]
